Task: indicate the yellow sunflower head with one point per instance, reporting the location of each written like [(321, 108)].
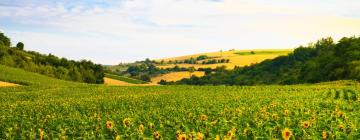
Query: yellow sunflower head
[(181, 137), (41, 134), (141, 128), (286, 134), (217, 137), (341, 127), (324, 135), (305, 124), (117, 137), (127, 122), (109, 124), (230, 134), (274, 116), (157, 135), (203, 117), (286, 112), (151, 126), (199, 136)]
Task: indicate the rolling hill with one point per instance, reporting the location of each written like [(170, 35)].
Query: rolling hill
[(236, 57), (325, 60)]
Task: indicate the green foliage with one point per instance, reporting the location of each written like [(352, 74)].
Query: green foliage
[(125, 79), (50, 65), (4, 40), (142, 70), (56, 109), (319, 62), (202, 57), (20, 45)]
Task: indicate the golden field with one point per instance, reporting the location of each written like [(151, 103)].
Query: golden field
[(176, 76), (6, 84), (235, 59), (114, 82)]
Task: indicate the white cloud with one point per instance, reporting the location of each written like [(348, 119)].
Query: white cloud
[(135, 29)]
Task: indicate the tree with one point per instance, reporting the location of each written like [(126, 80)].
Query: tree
[(4, 39), (145, 77), (191, 70), (20, 45)]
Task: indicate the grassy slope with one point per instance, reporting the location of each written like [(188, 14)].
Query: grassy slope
[(22, 77), (70, 110), (124, 79)]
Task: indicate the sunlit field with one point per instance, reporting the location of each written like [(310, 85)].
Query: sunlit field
[(236, 57), (175, 76), (47, 108)]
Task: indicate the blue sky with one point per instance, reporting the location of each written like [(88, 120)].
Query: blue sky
[(114, 31)]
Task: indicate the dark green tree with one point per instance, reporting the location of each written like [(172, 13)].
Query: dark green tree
[(20, 45)]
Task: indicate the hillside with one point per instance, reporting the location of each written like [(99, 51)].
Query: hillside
[(49, 65), (117, 80), (320, 62), (173, 69), (236, 58)]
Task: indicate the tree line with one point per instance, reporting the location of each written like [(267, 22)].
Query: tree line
[(322, 61), (49, 65), (202, 59)]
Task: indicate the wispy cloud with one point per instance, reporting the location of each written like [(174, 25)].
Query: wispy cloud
[(109, 32)]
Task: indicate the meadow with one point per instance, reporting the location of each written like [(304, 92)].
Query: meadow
[(124, 79), (47, 108)]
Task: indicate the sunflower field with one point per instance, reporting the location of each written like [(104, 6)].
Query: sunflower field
[(45, 108)]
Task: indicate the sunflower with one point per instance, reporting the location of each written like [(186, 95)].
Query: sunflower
[(109, 124), (213, 123), (274, 116), (117, 137), (41, 134), (99, 118), (233, 129), (337, 109), (203, 117), (341, 127), (199, 136), (127, 122), (181, 137), (151, 126), (157, 135), (324, 135), (286, 112), (217, 137), (230, 134), (306, 124), (141, 128), (286, 134), (339, 114)]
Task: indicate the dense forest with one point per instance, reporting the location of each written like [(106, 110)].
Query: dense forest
[(50, 65), (322, 61)]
